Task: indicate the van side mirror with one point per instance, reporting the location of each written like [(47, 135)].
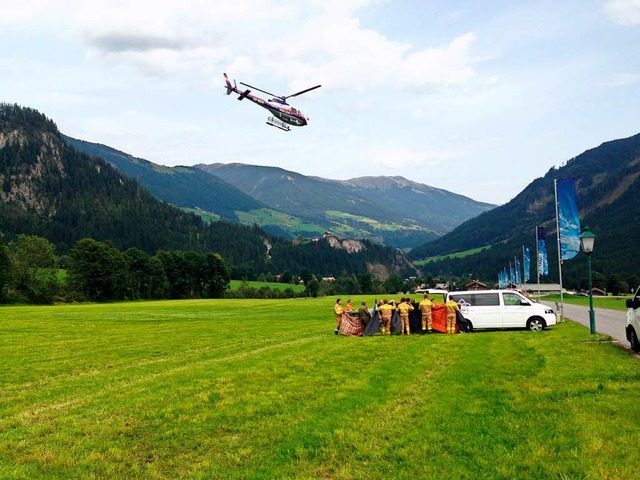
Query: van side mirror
[(629, 303), (524, 302)]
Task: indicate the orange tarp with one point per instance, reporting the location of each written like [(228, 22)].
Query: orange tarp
[(439, 318)]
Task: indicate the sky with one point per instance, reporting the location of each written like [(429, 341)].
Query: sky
[(478, 98)]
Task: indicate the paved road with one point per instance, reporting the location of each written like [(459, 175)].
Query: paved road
[(608, 322)]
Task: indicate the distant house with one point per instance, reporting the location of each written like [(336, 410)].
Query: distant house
[(328, 279), (597, 291), (476, 285), (442, 286)]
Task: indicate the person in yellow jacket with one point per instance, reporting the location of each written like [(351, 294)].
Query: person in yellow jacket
[(385, 311), (452, 308), (404, 308), (425, 311), (337, 311)]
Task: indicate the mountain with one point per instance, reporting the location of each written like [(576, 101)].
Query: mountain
[(389, 210), (608, 193), (433, 206), (392, 210), (186, 187), (52, 190)]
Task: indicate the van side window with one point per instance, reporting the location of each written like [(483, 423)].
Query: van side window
[(511, 299), (487, 300), (469, 298)]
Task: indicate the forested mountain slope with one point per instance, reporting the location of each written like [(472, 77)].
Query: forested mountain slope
[(181, 186), (608, 191), (392, 210), (52, 190)]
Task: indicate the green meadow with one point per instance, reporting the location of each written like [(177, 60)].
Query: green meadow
[(264, 389), (236, 284), (466, 253), (613, 303)]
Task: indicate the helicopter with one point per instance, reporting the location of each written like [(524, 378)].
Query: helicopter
[(283, 114)]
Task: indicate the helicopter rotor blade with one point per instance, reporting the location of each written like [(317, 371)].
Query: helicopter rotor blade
[(260, 90), (303, 91)]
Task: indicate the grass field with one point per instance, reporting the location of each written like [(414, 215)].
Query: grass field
[(266, 216), (263, 389), (466, 253), (613, 303), (235, 284)]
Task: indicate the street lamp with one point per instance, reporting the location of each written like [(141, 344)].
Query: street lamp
[(587, 239)]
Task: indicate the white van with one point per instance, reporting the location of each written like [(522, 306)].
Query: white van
[(502, 309)]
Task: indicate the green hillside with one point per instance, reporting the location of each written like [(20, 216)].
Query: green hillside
[(181, 186), (608, 191), (391, 210)]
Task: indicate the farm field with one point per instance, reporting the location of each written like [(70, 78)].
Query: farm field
[(264, 389)]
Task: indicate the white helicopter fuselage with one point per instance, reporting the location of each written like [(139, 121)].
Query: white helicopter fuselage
[(283, 113)]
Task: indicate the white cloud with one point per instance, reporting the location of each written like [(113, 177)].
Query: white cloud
[(305, 43), (20, 11), (444, 66), (624, 12), (397, 158)]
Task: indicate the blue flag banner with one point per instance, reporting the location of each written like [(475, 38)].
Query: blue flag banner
[(568, 218), (527, 263), (543, 261), (517, 261), (512, 276)]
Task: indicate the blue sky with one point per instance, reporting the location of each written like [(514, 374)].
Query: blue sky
[(478, 98)]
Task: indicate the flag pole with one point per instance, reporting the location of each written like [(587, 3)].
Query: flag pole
[(555, 190), (538, 262), (524, 266)]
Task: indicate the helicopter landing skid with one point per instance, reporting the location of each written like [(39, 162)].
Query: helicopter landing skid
[(274, 122)]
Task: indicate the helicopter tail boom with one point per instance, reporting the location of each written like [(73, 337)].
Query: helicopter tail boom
[(229, 87)]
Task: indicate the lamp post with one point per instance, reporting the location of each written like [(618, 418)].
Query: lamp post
[(587, 239)]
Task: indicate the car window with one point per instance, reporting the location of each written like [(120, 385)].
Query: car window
[(487, 300), (468, 298), (511, 299)]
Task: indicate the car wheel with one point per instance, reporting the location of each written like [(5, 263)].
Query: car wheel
[(536, 324), (633, 340)]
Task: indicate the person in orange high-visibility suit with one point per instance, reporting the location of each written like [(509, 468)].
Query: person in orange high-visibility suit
[(425, 310), (337, 311), (385, 311), (404, 308), (452, 308), (349, 307)]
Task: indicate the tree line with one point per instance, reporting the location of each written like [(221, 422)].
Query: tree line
[(30, 272)]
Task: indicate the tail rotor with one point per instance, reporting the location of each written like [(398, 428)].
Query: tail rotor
[(229, 87)]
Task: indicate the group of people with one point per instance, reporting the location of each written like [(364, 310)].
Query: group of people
[(385, 309)]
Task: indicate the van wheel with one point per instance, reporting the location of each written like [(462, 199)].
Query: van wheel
[(633, 340), (536, 324)]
